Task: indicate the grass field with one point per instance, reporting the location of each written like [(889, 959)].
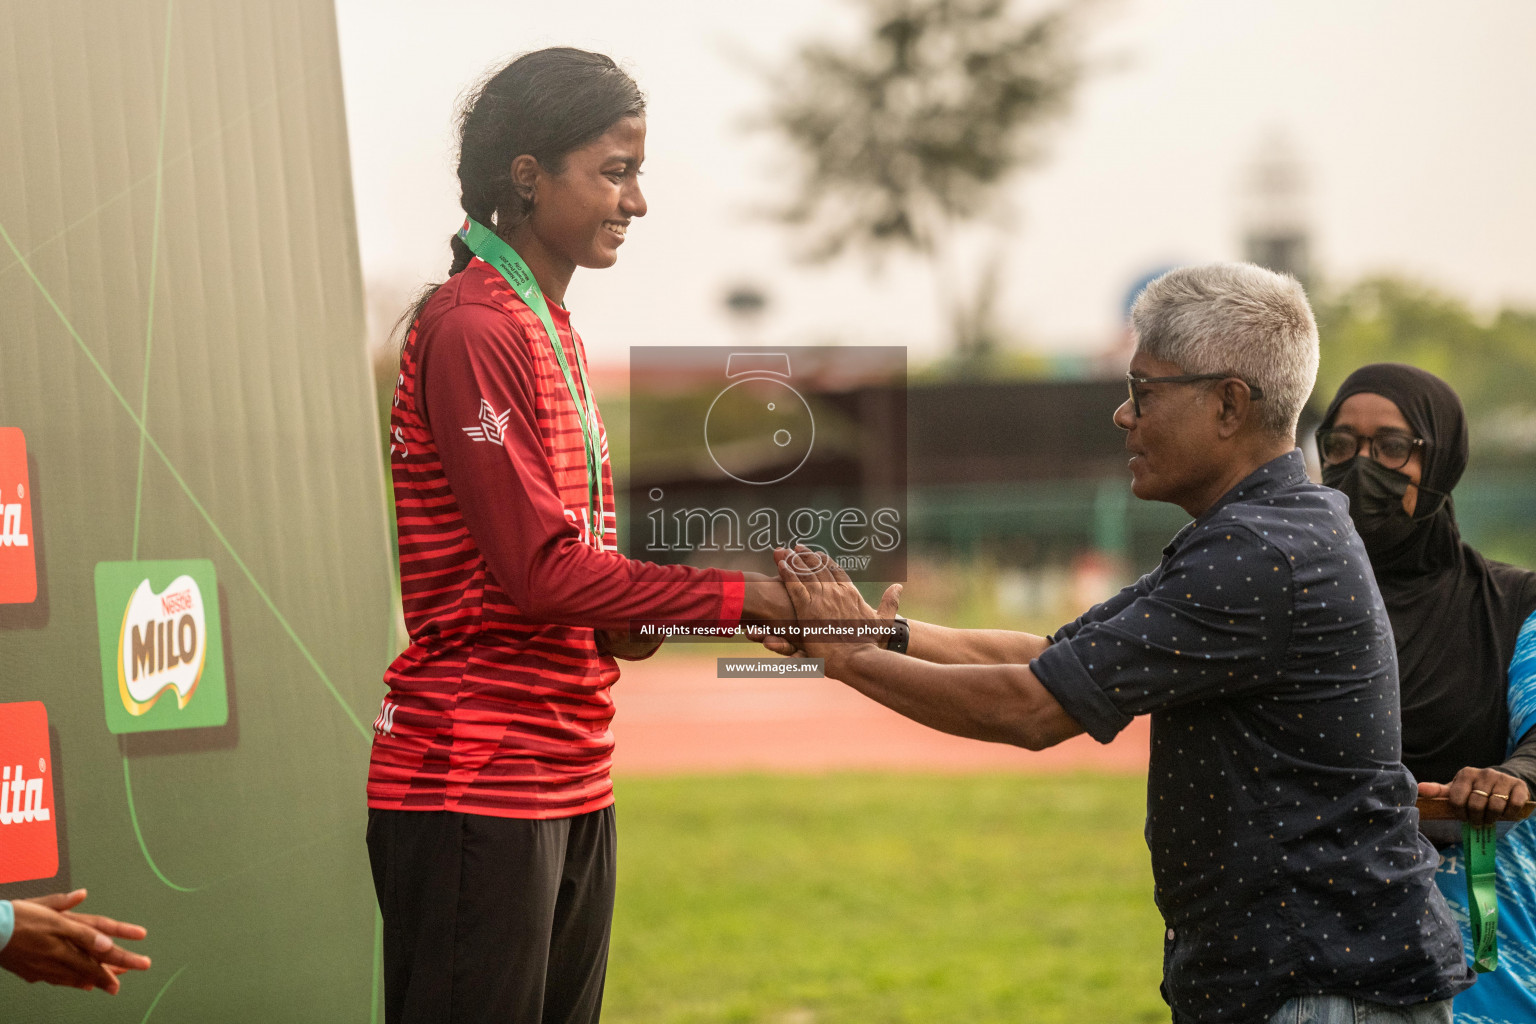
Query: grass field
[(865, 899)]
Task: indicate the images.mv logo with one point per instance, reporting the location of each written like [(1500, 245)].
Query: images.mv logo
[(18, 561), (29, 838), (162, 656)]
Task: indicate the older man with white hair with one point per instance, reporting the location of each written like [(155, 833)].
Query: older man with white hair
[(1288, 864)]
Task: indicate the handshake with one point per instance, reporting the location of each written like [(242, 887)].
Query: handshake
[(815, 611), (808, 608)]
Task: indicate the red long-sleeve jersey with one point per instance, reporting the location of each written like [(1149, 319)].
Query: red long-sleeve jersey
[(501, 703)]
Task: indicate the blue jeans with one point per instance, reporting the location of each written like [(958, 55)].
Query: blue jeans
[(1347, 1010)]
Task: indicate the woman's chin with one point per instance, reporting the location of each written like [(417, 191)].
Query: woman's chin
[(601, 257)]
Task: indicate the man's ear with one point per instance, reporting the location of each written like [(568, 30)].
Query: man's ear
[(1235, 407)]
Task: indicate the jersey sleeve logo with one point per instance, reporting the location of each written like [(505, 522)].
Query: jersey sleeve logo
[(493, 425)]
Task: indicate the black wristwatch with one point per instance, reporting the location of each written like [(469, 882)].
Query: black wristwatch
[(902, 638)]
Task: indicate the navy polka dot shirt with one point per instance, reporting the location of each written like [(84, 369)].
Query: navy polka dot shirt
[(1284, 842)]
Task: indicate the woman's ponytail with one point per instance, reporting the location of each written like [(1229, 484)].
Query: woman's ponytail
[(461, 254), (461, 251)]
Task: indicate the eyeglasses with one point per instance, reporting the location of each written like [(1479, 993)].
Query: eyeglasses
[(1133, 384), (1392, 449)]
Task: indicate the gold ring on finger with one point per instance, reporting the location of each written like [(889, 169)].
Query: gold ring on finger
[(1481, 792), (1502, 796)]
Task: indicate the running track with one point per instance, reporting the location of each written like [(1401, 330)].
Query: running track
[(675, 717)]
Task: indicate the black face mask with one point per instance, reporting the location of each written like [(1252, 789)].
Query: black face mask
[(1376, 502)]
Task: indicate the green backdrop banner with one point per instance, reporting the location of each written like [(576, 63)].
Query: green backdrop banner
[(195, 579)]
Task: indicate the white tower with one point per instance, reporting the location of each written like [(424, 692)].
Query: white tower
[(1274, 210)]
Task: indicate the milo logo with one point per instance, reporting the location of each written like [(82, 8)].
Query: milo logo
[(159, 649), (162, 658)]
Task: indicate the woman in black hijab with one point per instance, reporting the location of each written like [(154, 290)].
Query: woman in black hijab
[(1395, 441)]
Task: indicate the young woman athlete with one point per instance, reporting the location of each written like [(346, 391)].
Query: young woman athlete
[(490, 822)]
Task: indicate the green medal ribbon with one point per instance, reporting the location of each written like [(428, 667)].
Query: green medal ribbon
[(484, 243), (1478, 843)]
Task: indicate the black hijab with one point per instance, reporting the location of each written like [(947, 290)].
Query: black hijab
[(1455, 614)]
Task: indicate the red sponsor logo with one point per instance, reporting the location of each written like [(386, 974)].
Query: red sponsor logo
[(29, 839), (174, 604), (18, 564)]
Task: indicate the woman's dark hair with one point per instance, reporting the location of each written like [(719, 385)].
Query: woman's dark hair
[(546, 104)]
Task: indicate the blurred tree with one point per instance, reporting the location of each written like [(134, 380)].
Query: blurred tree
[(1490, 362), (909, 134)]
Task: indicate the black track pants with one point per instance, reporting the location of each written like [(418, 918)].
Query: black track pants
[(487, 919)]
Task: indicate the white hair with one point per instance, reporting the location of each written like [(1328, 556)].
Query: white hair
[(1240, 319)]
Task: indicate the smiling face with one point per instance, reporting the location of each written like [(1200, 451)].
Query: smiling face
[(580, 215), (1367, 415), (1173, 441)]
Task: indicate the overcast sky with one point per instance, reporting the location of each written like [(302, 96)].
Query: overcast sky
[(1414, 120)]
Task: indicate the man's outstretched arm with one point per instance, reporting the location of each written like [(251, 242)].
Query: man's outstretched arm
[(943, 645), (1002, 703), (999, 703)]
